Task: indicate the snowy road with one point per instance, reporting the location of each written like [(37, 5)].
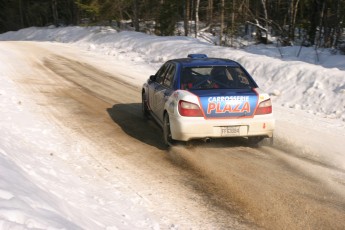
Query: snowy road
[(220, 185)]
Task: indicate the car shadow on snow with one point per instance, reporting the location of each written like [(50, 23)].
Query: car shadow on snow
[(129, 117), (131, 120)]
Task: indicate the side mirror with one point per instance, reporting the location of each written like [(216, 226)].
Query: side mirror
[(153, 78)]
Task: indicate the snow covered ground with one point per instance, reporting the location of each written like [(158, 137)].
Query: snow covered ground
[(308, 98)]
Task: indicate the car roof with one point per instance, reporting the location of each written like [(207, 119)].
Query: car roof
[(205, 61)]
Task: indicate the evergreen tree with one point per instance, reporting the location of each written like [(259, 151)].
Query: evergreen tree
[(168, 17)]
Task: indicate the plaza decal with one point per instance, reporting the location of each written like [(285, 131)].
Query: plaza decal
[(229, 106)]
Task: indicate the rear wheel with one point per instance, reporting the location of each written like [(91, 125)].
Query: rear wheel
[(144, 107), (166, 131)]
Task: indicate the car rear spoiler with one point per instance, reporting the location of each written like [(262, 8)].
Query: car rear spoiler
[(197, 56)]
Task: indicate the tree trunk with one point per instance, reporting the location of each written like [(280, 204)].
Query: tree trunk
[(313, 22), (221, 22), (232, 22), (197, 18), (21, 13), (135, 15), (186, 16), (337, 29), (293, 15), (209, 12), (321, 27), (55, 13), (266, 18)]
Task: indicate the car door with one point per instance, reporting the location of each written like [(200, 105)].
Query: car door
[(155, 87), (165, 89)]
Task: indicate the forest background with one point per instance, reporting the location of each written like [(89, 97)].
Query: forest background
[(316, 23)]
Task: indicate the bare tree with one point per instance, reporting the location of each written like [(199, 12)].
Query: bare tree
[(337, 30), (55, 12), (135, 15), (293, 14), (209, 12), (232, 21), (197, 18), (264, 2), (222, 12), (322, 18), (20, 6), (186, 16)]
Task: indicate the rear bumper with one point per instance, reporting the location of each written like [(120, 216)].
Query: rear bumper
[(187, 128)]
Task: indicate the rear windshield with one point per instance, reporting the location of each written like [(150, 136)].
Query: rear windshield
[(213, 77)]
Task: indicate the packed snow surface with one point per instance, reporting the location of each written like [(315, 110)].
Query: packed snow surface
[(309, 105)]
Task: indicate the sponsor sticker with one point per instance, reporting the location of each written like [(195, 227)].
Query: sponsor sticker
[(229, 106)]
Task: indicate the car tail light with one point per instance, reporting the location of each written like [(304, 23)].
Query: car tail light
[(264, 107), (189, 109)]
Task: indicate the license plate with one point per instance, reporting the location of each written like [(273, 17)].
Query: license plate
[(230, 130)]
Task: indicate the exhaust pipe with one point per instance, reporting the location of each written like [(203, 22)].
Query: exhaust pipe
[(207, 140)]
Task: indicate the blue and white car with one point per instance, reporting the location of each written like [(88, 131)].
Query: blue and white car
[(203, 98)]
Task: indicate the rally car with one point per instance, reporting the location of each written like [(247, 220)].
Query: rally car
[(203, 98)]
